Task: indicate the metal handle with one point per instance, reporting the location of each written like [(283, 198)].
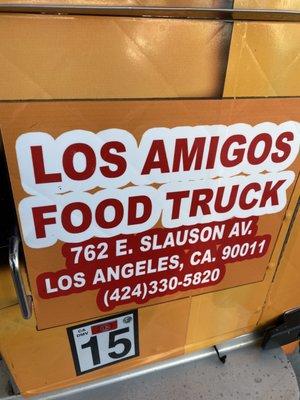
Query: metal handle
[(25, 301)]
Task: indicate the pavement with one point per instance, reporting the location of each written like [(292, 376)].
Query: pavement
[(294, 359)]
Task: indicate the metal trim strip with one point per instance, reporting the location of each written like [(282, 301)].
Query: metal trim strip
[(83, 389), (157, 12)]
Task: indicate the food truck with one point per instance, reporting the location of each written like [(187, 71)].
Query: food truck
[(149, 187)]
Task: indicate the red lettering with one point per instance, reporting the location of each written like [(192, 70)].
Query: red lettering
[(118, 213), (219, 208), (40, 221), (247, 205), (207, 195), (66, 217), (133, 202), (177, 197), (114, 159), (238, 153), (282, 146), (157, 150), (266, 139), (68, 161), (39, 167), (271, 193), (182, 154), (213, 146)]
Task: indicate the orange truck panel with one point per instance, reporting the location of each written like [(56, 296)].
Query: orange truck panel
[(145, 58), (128, 51)]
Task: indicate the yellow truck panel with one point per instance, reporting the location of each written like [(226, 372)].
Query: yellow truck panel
[(145, 58)]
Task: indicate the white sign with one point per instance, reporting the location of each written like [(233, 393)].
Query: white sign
[(105, 341)]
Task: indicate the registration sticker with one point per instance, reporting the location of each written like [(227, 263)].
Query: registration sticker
[(105, 341)]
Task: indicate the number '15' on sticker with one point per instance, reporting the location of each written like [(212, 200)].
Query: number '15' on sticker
[(104, 342)]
